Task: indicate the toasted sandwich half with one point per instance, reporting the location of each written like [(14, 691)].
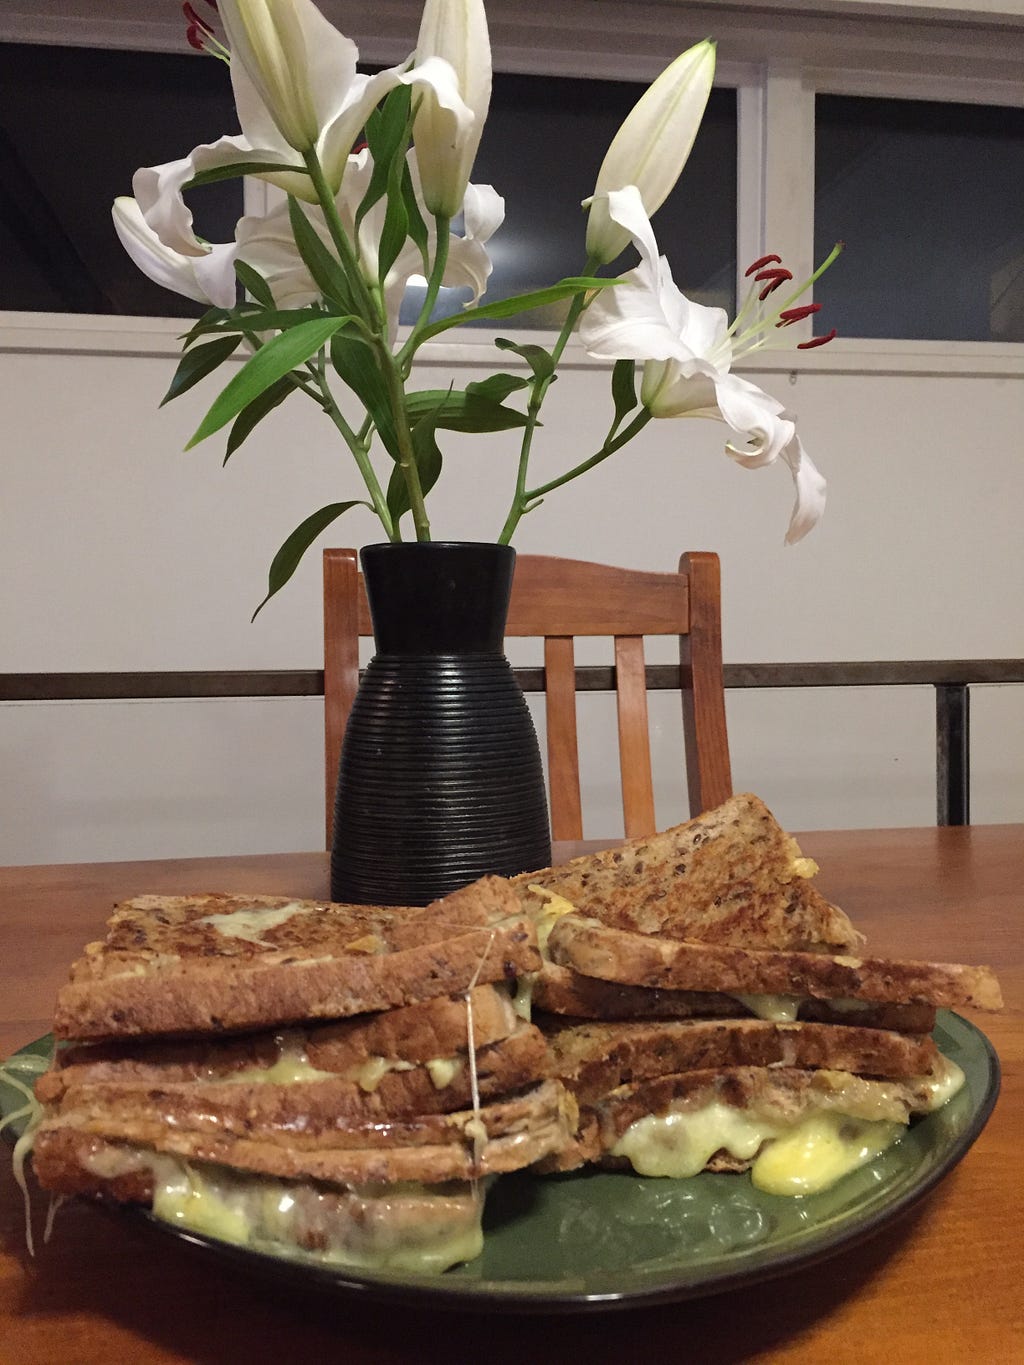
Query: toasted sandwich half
[(338, 1081), (708, 1009), (200, 964)]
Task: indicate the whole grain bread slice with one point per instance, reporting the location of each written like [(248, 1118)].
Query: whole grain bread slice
[(783, 1095), (435, 1028), (732, 875), (598, 950), (563, 991), (88, 1149), (196, 964), (592, 1059), (250, 1105)]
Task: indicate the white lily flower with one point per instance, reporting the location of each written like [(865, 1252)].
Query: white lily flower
[(688, 351), (206, 274), (295, 60), (652, 146), (452, 111), (267, 243)]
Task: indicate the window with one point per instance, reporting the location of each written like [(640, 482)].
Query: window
[(541, 149), (929, 198), (75, 124)]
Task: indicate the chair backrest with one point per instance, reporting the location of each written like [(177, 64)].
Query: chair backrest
[(558, 600)]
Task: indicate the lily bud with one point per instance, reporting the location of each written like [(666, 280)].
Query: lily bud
[(451, 115), (652, 146), (288, 50)]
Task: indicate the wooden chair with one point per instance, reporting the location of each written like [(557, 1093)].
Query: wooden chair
[(559, 599)]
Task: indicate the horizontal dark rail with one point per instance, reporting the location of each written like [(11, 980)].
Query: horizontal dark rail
[(309, 682)]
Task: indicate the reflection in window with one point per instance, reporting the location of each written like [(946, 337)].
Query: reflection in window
[(75, 124), (929, 198), (542, 147)]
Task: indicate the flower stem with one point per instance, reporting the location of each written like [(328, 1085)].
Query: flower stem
[(357, 446), (611, 445), (371, 304), (521, 499), (440, 264)]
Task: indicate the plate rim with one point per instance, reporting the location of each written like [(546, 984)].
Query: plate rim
[(512, 1297)]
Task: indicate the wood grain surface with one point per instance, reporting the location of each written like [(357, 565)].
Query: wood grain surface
[(943, 1285)]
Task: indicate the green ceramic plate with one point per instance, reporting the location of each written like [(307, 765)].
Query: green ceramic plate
[(606, 1240)]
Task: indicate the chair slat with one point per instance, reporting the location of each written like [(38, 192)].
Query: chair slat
[(563, 745), (634, 737), (342, 590)]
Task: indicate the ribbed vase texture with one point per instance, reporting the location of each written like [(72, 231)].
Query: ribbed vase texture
[(441, 779)]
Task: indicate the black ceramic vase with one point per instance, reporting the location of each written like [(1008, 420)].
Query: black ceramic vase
[(440, 779)]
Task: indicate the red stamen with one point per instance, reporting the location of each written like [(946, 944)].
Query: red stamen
[(194, 38), (761, 263), (775, 277), (790, 315), (815, 341), (195, 21)]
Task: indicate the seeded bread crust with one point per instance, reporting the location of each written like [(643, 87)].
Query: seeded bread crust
[(593, 1059), (596, 949), (322, 962), (70, 1156), (731, 875)]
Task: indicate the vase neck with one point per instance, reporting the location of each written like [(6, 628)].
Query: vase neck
[(438, 597)]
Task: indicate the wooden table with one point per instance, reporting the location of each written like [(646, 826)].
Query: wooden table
[(943, 1285)]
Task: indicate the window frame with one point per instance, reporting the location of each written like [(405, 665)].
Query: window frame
[(778, 58)]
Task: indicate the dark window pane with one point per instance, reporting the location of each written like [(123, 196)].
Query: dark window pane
[(75, 124), (542, 147), (929, 198)]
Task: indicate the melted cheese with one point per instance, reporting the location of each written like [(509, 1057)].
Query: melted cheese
[(251, 925), (681, 1144), (547, 917), (820, 1150), (945, 1081), (400, 1227), (779, 1009)]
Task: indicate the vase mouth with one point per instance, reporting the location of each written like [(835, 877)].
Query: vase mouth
[(426, 546)]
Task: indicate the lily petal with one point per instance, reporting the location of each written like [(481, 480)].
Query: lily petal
[(208, 277), (810, 492), (298, 63), (652, 146), (452, 111)]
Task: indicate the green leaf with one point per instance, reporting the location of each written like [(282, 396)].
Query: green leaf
[(286, 561), (540, 361), (270, 363), (254, 413), (498, 386), (206, 323), (387, 131), (355, 364), (237, 168), (520, 303), (623, 388), (197, 363), (417, 227), (328, 274), (255, 284), (395, 231), (273, 319), (456, 410)]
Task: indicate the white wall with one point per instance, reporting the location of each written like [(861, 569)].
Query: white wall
[(120, 552)]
